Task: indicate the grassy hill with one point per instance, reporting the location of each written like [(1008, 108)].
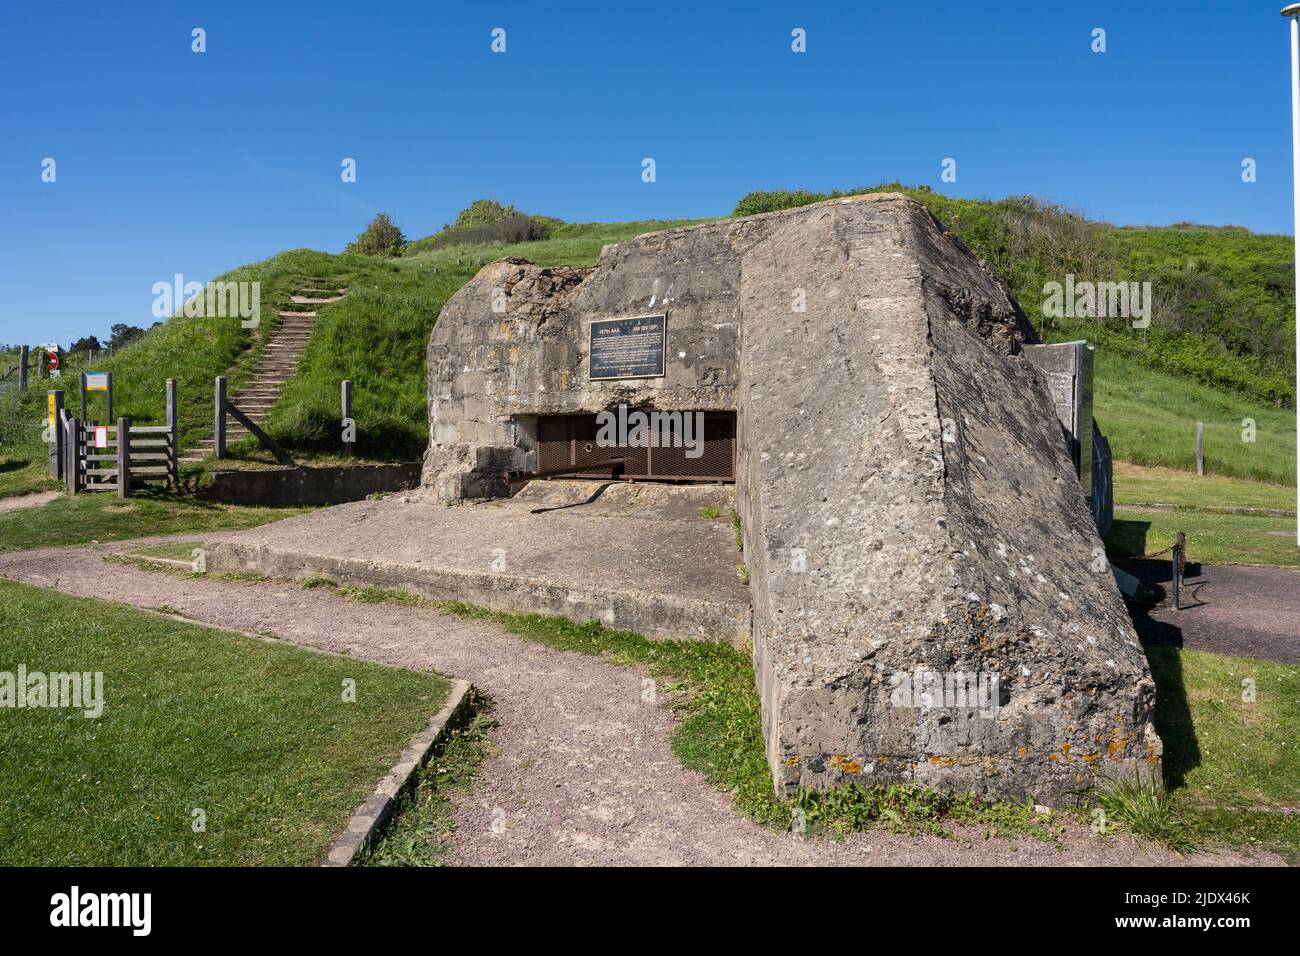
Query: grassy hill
[(1218, 350)]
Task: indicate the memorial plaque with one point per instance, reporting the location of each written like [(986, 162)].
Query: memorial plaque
[(627, 348)]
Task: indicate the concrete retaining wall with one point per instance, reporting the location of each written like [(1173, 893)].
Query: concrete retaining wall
[(309, 486)]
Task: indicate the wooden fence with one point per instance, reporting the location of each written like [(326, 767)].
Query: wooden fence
[(118, 457)]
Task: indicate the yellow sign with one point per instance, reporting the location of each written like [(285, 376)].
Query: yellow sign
[(51, 399)]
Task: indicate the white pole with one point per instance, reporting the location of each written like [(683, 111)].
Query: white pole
[(1292, 11)]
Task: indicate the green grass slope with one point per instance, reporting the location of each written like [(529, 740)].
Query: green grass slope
[(1218, 350)]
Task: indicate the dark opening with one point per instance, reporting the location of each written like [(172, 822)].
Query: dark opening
[(569, 441)]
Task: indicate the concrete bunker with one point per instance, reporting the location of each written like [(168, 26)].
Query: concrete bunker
[(928, 599), (929, 604)]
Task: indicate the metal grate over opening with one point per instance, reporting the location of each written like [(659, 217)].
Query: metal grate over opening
[(569, 441)]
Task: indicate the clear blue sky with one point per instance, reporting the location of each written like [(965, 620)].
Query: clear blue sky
[(171, 161)]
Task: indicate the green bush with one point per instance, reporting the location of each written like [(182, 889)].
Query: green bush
[(381, 238)]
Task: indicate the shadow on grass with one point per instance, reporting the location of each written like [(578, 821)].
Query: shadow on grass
[(1173, 716), (1126, 544)]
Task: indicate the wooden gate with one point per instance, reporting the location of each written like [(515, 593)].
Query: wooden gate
[(118, 457)]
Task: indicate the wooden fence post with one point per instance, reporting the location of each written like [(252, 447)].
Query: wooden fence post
[(124, 457), (1200, 449), (56, 433), (22, 368), (173, 437), (73, 454), (348, 446), (219, 426)]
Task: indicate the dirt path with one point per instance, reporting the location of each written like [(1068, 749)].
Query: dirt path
[(583, 772), (33, 500)]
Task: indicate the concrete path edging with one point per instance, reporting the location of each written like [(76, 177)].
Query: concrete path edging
[(374, 813)]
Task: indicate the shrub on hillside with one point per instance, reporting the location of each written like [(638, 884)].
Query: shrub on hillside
[(484, 212), (381, 238)]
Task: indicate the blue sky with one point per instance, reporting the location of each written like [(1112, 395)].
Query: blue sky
[(171, 161)]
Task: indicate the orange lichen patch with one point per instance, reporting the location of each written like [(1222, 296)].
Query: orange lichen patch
[(1054, 757), (1091, 758), (1117, 746), (1020, 752), (944, 761), (792, 761), (884, 759), (1065, 747), (845, 763)]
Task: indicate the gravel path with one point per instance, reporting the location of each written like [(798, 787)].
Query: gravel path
[(33, 500), (582, 773)]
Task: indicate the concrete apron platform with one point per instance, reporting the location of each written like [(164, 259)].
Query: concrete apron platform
[(639, 557)]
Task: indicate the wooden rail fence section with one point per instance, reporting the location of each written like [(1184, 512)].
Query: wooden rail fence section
[(96, 457), (224, 407)]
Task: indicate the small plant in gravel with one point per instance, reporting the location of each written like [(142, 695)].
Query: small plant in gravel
[(421, 827), (711, 512)]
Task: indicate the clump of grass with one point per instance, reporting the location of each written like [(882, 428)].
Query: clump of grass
[(739, 532), (421, 827), (377, 595), (906, 808), (711, 512), (313, 581), (1144, 808)]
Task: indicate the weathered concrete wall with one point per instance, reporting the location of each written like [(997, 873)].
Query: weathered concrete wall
[(906, 499), (308, 485), (908, 504)]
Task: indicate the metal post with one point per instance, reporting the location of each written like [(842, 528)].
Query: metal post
[(56, 433), (1175, 578), (219, 425), (173, 436), (348, 446), (22, 368), (1200, 449), (1292, 10), (124, 457)]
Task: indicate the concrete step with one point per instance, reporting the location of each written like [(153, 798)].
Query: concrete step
[(311, 300), (296, 315)]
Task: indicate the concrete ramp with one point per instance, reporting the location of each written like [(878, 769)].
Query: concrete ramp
[(637, 557)]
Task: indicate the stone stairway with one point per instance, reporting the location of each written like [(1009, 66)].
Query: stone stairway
[(277, 364)]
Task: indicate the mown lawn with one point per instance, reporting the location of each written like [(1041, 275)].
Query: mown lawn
[(1229, 757), (1142, 485), (255, 736), (1211, 538), (105, 517), (1213, 511)]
